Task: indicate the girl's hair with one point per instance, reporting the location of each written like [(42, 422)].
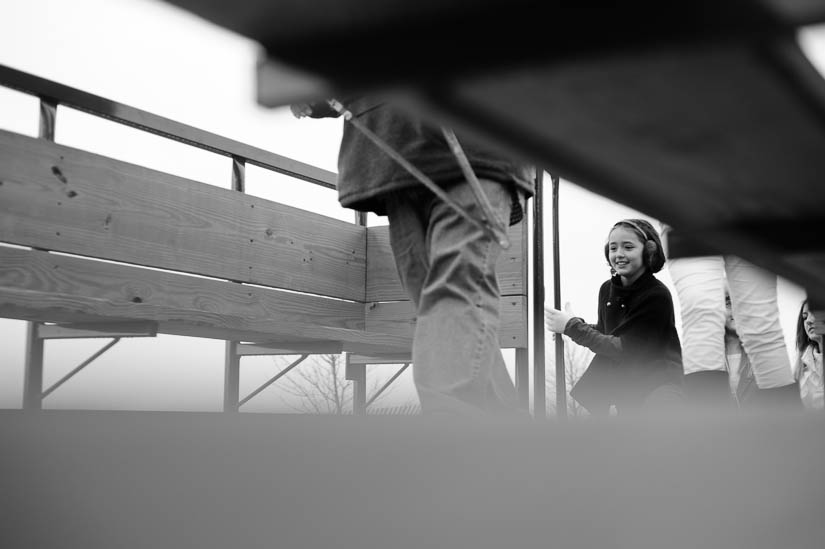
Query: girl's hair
[(654, 255), (802, 339)]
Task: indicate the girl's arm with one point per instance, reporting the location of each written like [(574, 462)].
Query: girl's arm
[(322, 109), (319, 109), (586, 335), (641, 333)]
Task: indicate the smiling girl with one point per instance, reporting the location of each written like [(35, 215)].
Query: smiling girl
[(638, 361)]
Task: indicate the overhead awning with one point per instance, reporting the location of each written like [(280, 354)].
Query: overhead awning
[(703, 114)]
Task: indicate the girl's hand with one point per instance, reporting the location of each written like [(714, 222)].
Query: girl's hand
[(556, 320), (300, 110)]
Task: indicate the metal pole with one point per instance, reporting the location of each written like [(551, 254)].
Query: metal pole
[(33, 373), (82, 365), (231, 377), (539, 398), (48, 119), (272, 380), (561, 382), (357, 373), (523, 377), (232, 360), (238, 174), (387, 384)]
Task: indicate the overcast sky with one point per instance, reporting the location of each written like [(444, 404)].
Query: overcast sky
[(149, 55)]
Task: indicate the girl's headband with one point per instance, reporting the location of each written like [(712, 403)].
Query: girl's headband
[(634, 225)]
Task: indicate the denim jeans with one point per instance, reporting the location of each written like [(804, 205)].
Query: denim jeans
[(447, 267), (700, 286)]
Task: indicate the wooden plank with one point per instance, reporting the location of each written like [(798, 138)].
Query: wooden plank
[(58, 288), (58, 198), (385, 359), (91, 330), (158, 125), (289, 348), (337, 340), (383, 283), (399, 318)]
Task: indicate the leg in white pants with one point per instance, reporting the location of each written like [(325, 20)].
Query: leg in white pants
[(700, 286), (756, 311)]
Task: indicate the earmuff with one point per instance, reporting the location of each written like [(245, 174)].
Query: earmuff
[(650, 249)]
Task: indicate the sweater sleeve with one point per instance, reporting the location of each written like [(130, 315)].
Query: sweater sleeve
[(641, 334), (321, 109), (588, 336)]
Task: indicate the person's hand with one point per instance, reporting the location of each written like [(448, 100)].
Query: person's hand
[(300, 110), (555, 320)]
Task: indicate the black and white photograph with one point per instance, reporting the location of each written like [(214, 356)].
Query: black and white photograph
[(409, 274)]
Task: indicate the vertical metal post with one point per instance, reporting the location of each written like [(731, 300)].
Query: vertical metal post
[(359, 390), (357, 373), (231, 377), (522, 377), (561, 381), (232, 360), (33, 374), (48, 119), (238, 174), (539, 398)]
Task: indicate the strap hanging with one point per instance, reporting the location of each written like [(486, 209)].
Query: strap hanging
[(489, 222)]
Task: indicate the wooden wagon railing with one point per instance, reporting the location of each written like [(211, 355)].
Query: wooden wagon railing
[(105, 248)]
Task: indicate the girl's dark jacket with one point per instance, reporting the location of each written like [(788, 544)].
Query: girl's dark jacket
[(636, 344), (366, 174)]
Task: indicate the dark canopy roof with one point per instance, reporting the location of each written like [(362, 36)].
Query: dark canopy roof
[(704, 114)]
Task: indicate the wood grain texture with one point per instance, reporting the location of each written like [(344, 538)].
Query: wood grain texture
[(383, 283), (385, 359), (85, 330), (58, 198), (158, 125), (399, 318), (289, 348), (42, 286)]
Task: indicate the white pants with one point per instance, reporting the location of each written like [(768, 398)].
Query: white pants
[(700, 285)]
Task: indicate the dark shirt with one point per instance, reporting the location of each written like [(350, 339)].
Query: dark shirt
[(366, 174), (636, 344)]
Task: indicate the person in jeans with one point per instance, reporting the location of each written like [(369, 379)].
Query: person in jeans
[(446, 264)]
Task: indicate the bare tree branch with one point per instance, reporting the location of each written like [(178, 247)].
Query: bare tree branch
[(320, 386)]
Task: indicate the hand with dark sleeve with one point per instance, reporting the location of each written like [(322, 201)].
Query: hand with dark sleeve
[(318, 109), (588, 336), (640, 334)]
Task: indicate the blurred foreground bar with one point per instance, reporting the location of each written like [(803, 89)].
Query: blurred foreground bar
[(176, 480), (703, 114)]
